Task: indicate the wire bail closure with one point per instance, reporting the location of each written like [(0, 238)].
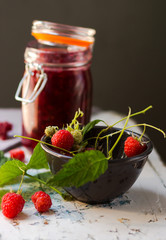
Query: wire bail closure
[(38, 87)]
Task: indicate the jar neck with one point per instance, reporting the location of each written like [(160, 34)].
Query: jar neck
[(57, 55)]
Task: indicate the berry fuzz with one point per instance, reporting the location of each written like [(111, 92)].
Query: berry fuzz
[(63, 139), (42, 201), (17, 154), (12, 204), (4, 128), (133, 147)]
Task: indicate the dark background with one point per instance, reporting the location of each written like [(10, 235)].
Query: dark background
[(129, 55)]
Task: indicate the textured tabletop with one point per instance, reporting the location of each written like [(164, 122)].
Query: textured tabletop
[(138, 214)]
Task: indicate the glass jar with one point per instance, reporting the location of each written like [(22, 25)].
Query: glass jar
[(57, 79)]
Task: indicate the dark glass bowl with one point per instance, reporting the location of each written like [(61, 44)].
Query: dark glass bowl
[(119, 177)]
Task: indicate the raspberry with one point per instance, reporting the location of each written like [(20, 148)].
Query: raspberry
[(42, 201), (4, 128), (50, 131), (133, 147), (12, 204), (63, 139), (77, 135), (17, 154), (36, 195)]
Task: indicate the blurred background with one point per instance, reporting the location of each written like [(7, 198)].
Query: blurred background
[(129, 55)]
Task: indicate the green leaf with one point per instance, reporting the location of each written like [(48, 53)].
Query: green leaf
[(10, 170), (2, 193), (3, 159), (90, 125), (82, 168), (38, 159)]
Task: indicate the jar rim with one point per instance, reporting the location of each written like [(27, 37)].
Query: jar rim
[(57, 57), (45, 31)]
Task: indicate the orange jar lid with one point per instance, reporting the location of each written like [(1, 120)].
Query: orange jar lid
[(55, 33)]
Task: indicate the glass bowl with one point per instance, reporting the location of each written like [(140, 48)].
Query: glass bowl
[(121, 174)]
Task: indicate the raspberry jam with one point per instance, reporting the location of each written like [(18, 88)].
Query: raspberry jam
[(68, 87)]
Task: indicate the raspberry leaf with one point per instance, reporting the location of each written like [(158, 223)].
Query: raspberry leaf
[(3, 159), (38, 159), (90, 125), (10, 170), (82, 168)]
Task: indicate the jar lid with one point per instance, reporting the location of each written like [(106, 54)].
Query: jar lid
[(53, 33)]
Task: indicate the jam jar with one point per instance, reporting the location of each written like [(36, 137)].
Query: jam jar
[(57, 79)]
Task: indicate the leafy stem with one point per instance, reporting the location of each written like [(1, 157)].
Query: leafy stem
[(41, 181)]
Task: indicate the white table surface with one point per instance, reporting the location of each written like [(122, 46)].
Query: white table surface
[(138, 214)]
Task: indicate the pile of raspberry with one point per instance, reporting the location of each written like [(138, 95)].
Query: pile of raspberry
[(13, 203)]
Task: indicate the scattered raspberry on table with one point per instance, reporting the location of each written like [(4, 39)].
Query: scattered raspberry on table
[(17, 154), (42, 201), (5, 127), (12, 204)]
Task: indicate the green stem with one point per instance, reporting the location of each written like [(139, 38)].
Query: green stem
[(132, 115), (98, 136), (127, 119), (19, 189), (107, 145), (139, 139), (75, 122), (137, 125), (41, 181), (148, 125), (36, 140)]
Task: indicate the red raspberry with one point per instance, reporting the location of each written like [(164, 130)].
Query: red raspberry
[(12, 204), (4, 128), (42, 201), (133, 147), (36, 195), (17, 154), (63, 139)]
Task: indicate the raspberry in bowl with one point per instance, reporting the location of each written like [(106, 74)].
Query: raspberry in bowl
[(121, 174)]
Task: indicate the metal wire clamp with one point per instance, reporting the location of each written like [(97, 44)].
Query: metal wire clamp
[(38, 87)]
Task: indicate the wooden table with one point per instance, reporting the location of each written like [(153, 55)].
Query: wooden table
[(138, 214)]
